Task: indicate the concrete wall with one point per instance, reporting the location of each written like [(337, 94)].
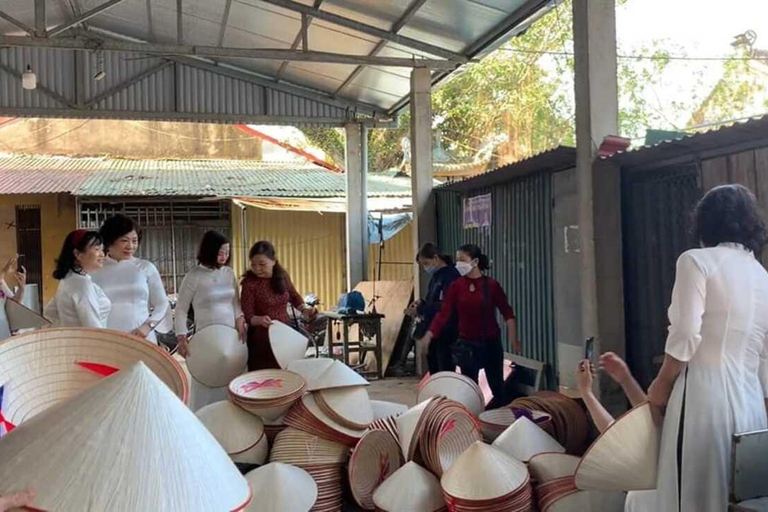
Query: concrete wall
[(567, 284), (58, 218), (130, 139)]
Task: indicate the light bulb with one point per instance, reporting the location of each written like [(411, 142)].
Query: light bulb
[(29, 79)]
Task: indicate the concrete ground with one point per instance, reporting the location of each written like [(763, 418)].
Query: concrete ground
[(401, 390)]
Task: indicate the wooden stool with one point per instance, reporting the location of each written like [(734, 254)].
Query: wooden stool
[(368, 339)]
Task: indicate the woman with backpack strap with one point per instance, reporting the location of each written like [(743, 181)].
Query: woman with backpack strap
[(474, 298)]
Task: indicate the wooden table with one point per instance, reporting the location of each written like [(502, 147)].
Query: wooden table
[(367, 323)]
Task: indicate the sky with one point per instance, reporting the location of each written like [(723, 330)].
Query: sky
[(698, 28)]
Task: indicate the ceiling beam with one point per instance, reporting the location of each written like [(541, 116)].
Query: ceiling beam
[(150, 23), (83, 17), (179, 22), (127, 83), (13, 21), (224, 22), (367, 29), (296, 41), (84, 43), (40, 25), (398, 25), (40, 88), (304, 33)]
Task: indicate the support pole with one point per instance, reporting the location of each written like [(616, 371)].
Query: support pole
[(424, 219), (357, 209), (40, 23), (594, 28)]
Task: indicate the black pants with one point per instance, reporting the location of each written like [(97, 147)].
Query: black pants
[(488, 355), (439, 356)]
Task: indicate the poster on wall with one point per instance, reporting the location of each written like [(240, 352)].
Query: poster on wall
[(477, 211)]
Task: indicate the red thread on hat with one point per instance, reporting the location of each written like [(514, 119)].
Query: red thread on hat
[(99, 369), (269, 383)]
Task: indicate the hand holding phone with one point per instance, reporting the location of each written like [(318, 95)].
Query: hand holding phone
[(589, 348)]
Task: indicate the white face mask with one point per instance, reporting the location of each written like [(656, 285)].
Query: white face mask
[(430, 269), (464, 268)]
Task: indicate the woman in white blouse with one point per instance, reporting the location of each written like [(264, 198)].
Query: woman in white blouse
[(211, 289), (79, 302), (134, 286), (714, 379), (12, 266)]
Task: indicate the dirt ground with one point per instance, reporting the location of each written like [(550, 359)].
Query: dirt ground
[(400, 390)]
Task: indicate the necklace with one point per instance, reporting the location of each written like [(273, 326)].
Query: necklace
[(472, 287)]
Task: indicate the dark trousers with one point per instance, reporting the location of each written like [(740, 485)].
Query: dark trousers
[(439, 356), (488, 355)]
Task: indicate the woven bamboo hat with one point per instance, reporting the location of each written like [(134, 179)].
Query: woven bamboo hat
[(288, 345), (551, 466), (524, 439), (625, 457), (125, 444), (336, 375), (455, 386), (410, 489), (350, 406), (22, 317), (42, 368), (239, 432), (267, 393), (410, 425), (384, 409), (281, 488), (373, 460), (216, 355), (484, 473), (310, 369)]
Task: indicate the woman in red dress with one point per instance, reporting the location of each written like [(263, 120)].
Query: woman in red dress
[(266, 292)]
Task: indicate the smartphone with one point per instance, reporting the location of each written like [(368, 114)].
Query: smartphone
[(589, 349)]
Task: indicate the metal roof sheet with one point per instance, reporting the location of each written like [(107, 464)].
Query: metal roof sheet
[(469, 28), (552, 160), (111, 177), (700, 144)]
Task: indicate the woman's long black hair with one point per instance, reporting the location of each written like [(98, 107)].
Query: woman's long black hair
[(430, 250), (730, 214), (279, 279), (79, 240), (474, 252)]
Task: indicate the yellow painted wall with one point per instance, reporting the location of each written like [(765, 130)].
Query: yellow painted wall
[(312, 248), (58, 217), (309, 245)]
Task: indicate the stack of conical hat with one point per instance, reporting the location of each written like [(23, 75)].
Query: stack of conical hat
[(373, 460), (487, 479), (455, 386), (281, 488), (624, 457), (216, 356), (409, 489), (267, 393), (288, 345), (127, 443), (496, 421), (550, 466), (43, 368), (239, 432), (524, 439)]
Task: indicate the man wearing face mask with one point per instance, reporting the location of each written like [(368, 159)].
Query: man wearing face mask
[(443, 273), (474, 299)]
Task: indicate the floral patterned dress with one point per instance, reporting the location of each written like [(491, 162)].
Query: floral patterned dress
[(258, 298)]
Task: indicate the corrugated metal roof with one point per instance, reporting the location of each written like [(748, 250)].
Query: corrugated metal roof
[(752, 130), (102, 177), (552, 160), (469, 28)]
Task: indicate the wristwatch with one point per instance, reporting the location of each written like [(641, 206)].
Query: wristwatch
[(152, 326)]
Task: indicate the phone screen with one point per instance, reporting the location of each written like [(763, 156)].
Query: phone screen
[(589, 349)]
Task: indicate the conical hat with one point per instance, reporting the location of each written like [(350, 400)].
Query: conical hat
[(239, 432), (550, 466), (310, 369), (287, 344), (484, 473), (279, 487), (216, 355), (337, 375), (373, 460), (457, 387), (22, 317), (524, 439), (625, 457), (410, 489), (384, 409), (409, 426), (125, 444), (351, 406), (582, 501), (42, 368)]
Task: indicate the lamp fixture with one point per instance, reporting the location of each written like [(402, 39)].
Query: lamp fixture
[(29, 79)]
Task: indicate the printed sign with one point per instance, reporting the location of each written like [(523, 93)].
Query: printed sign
[(477, 211)]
